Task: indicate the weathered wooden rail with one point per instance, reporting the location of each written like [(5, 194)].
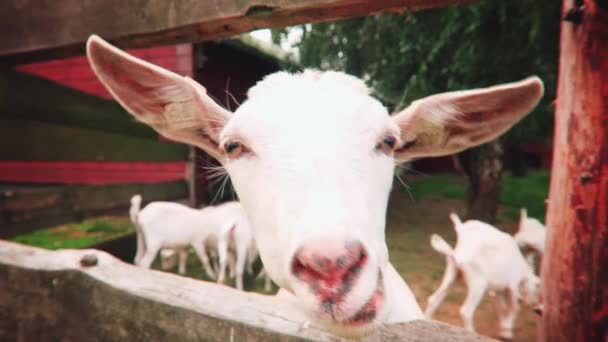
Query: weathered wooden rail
[(48, 29), (88, 295), (25, 210)]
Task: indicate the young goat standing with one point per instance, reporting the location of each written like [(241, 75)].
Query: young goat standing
[(488, 259), (530, 236), (176, 226), (312, 157)]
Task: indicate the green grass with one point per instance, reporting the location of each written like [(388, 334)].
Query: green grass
[(195, 270), (443, 185), (77, 235), (529, 192), (47, 238)]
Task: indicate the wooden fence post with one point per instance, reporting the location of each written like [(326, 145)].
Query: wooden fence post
[(575, 270)]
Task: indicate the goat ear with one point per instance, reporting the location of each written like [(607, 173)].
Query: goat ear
[(175, 106), (448, 123)]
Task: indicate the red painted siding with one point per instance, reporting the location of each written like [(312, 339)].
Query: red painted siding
[(91, 173), (76, 73)]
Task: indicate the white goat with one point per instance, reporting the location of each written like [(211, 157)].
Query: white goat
[(169, 257), (488, 260), (240, 240), (176, 226), (224, 230), (530, 236), (311, 157)]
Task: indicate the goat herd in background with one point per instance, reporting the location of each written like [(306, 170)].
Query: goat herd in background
[(221, 236)]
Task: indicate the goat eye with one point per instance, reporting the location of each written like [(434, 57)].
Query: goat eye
[(233, 149), (387, 145), (389, 141)]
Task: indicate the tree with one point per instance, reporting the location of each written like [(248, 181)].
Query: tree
[(406, 56)]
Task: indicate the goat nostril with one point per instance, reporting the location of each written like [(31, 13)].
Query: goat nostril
[(297, 267), (341, 262), (327, 305), (321, 263)]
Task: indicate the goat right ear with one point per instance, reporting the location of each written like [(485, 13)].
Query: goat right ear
[(175, 106), (448, 123)]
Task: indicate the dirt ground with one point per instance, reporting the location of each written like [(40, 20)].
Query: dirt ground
[(409, 224)]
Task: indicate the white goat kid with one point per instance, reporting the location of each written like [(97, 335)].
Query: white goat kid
[(169, 257), (239, 239), (312, 157), (530, 236), (488, 260), (176, 226)]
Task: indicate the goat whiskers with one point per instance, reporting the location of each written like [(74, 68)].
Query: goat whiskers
[(405, 186)]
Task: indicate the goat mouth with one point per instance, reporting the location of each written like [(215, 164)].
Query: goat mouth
[(364, 316), (370, 309)]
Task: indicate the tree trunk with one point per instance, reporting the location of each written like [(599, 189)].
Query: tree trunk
[(483, 166), (574, 271)]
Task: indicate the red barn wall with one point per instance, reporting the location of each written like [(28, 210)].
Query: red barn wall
[(77, 74)]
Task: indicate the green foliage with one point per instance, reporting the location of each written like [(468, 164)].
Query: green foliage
[(529, 192), (407, 56)]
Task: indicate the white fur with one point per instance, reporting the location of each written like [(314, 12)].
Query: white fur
[(488, 260), (311, 167), (223, 230), (530, 236), (176, 226), (236, 247)]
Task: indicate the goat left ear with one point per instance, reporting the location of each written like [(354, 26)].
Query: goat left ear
[(448, 123), (175, 106)]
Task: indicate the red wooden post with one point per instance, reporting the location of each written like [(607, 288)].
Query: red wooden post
[(575, 268)]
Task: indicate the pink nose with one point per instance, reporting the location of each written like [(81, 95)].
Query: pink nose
[(329, 266)]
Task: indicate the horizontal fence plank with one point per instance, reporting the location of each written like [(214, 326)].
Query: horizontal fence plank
[(22, 140), (91, 173), (28, 97), (49, 29), (25, 210), (54, 296)]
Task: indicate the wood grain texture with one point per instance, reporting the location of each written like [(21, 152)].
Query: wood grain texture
[(28, 97), (28, 209), (574, 270), (50, 296), (54, 142), (48, 29)]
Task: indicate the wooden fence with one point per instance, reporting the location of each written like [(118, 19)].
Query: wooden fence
[(88, 295)]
